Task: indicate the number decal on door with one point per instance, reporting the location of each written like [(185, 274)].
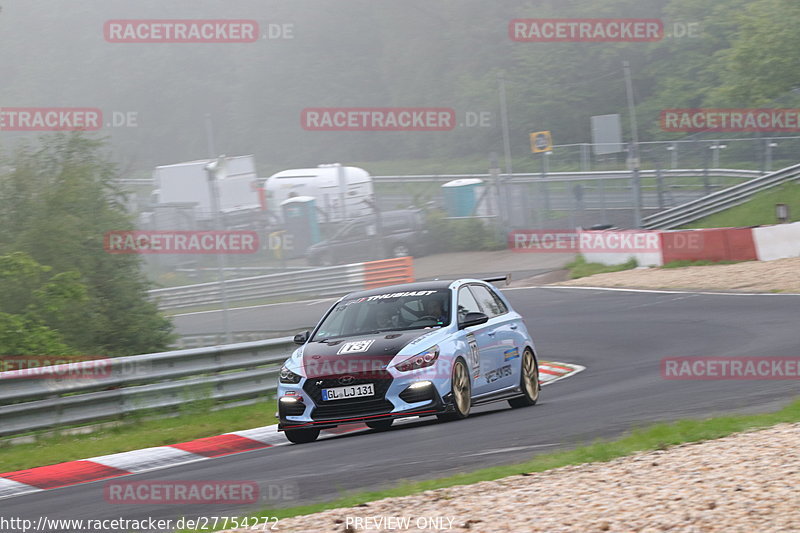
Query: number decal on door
[(474, 356)]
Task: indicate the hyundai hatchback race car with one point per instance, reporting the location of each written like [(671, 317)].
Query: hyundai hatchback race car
[(418, 349)]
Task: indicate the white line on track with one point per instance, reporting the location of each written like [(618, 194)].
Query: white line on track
[(513, 449), (655, 291)]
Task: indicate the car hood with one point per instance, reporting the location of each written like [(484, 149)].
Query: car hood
[(353, 355)]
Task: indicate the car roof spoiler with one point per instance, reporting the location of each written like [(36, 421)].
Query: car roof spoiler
[(506, 278)]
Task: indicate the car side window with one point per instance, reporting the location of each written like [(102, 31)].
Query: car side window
[(358, 231), (491, 304), (466, 303)]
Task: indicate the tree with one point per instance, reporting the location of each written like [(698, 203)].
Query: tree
[(56, 205), (762, 62), (33, 307)]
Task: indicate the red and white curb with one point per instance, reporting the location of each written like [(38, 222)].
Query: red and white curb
[(148, 459)]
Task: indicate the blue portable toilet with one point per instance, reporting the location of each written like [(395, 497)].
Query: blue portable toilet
[(461, 196), (300, 223)]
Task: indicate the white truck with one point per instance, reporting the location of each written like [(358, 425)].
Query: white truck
[(187, 183), (340, 192)]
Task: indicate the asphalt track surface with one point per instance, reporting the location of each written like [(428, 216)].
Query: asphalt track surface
[(620, 337)]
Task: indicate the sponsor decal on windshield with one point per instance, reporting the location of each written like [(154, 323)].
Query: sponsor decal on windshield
[(393, 295)]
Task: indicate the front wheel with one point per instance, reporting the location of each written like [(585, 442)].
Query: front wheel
[(301, 436), (462, 393), (528, 381)]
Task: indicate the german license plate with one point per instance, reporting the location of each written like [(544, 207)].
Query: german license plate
[(351, 391)]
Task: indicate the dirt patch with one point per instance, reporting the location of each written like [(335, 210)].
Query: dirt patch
[(781, 275)]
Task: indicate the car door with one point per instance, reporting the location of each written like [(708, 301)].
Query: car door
[(356, 244), (502, 327), (482, 343)]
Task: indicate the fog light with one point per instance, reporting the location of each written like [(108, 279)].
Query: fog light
[(291, 399), (420, 385)]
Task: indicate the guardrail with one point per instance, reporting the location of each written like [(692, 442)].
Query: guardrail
[(719, 201), (63, 395), (537, 177), (325, 281)]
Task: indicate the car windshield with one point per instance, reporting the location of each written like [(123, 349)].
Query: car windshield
[(389, 311)]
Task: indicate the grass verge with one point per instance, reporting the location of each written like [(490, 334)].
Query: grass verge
[(654, 437), (702, 262), (136, 433), (758, 211), (579, 268)]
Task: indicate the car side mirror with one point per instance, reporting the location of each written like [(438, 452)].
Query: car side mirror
[(301, 337), (472, 319)]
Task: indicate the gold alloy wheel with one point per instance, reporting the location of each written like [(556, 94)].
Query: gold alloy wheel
[(530, 375), (461, 389)]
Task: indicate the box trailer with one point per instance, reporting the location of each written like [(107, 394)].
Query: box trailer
[(187, 183)]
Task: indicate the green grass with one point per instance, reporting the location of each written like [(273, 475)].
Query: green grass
[(654, 437), (193, 423), (758, 211), (702, 262), (579, 268)]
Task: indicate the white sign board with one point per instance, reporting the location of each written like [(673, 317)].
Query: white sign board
[(606, 134)]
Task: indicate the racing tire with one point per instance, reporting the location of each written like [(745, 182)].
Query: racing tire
[(301, 436), (380, 425), (400, 250), (528, 381), (461, 391)]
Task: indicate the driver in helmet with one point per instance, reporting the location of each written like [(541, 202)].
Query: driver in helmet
[(385, 317), (434, 306)]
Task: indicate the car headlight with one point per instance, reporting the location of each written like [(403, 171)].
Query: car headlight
[(421, 360), (287, 376)]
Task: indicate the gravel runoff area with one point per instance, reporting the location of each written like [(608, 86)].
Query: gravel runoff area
[(780, 275), (746, 482)]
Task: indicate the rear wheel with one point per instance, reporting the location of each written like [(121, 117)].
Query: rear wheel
[(529, 381), (301, 436), (380, 425), (400, 250), (461, 391)]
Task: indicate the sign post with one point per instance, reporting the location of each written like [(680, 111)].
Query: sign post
[(542, 143)]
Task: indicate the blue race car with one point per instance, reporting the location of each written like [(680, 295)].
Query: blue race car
[(418, 349)]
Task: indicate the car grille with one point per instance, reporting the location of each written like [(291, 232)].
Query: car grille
[(352, 407)]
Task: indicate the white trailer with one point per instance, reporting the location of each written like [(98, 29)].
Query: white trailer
[(187, 183), (340, 191)]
